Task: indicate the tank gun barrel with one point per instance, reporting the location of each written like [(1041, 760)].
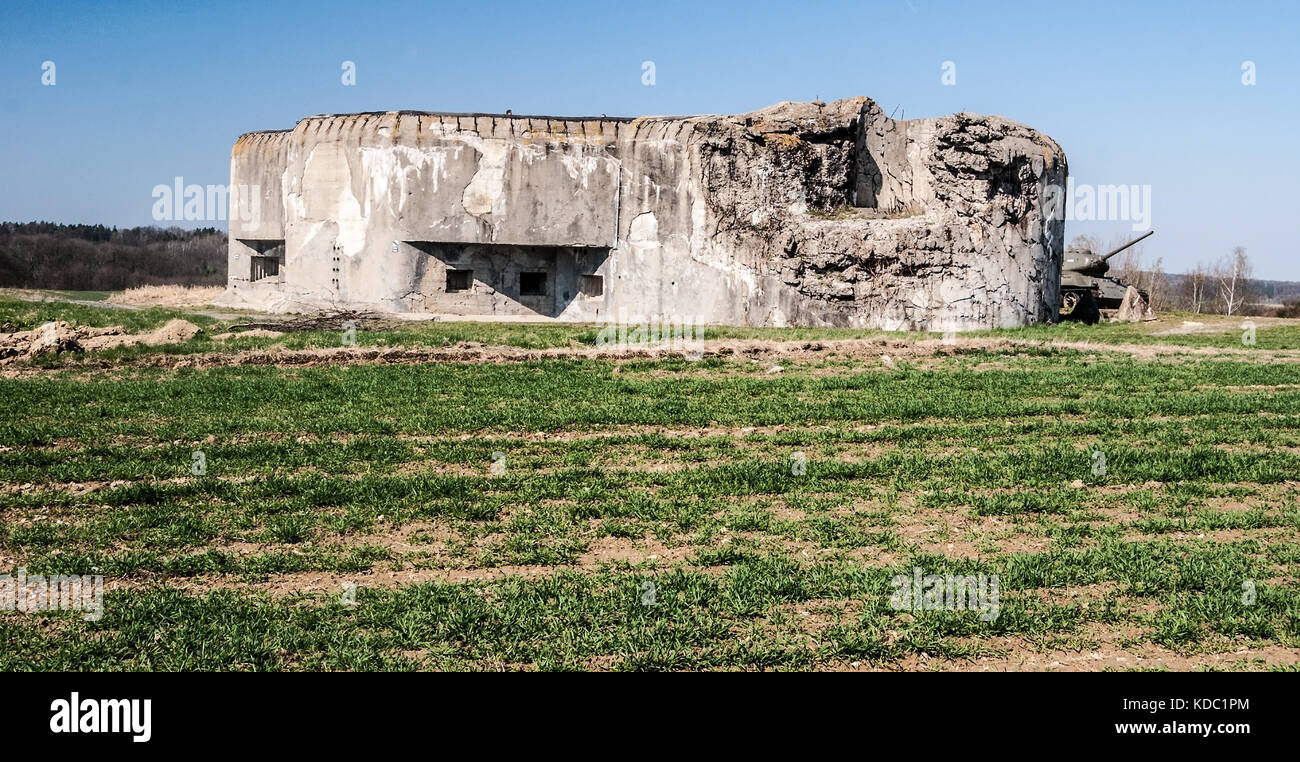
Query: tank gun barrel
[(1133, 242)]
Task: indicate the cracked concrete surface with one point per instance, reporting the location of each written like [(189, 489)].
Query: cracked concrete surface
[(797, 214)]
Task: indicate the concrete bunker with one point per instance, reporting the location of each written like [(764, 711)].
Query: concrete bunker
[(797, 214)]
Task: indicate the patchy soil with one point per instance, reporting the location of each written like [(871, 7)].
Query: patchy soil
[(61, 337), (259, 333), (873, 525), (1109, 651), (885, 353), (1185, 323), (1214, 324)]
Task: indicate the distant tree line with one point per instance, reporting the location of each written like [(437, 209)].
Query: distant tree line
[(1222, 287), (100, 258)]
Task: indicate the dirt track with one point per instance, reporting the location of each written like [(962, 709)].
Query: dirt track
[(877, 350)]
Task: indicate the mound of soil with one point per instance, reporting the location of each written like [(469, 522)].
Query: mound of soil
[(60, 337)]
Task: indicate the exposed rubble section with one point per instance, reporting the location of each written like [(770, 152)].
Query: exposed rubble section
[(927, 224), (797, 214)]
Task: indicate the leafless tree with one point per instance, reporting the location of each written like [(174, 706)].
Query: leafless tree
[(1194, 284), (1233, 276), (1157, 285), (1087, 242)]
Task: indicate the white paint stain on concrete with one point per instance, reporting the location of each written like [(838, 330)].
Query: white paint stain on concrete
[(486, 188)]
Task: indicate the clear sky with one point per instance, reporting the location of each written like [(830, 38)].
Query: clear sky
[(1137, 93)]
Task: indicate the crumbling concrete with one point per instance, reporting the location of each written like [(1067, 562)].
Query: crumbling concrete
[(797, 214)]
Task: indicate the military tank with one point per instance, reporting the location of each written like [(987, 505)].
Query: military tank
[(1086, 293)]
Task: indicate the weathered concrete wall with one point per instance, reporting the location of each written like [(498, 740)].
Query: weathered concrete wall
[(827, 214)]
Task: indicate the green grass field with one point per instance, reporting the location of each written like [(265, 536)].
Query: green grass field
[(658, 513)]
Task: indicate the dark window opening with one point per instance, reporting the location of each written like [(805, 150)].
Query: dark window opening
[(591, 285), (267, 258), (460, 280), (264, 267), (532, 284)]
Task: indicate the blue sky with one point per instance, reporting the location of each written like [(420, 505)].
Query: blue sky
[(1146, 94)]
